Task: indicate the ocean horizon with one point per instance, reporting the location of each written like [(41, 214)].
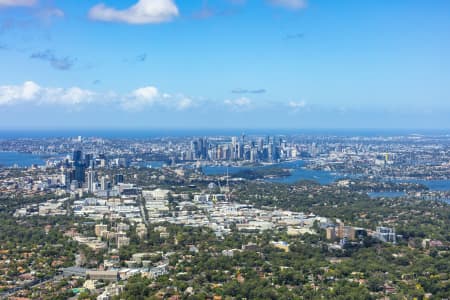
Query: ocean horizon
[(174, 132)]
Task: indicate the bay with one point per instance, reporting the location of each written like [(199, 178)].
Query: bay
[(298, 172), (9, 159)]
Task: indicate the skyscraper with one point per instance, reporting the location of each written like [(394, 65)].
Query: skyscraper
[(105, 184), (78, 166), (118, 178), (91, 181), (77, 156)]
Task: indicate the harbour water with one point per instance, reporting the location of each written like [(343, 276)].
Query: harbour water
[(299, 172), (9, 159)]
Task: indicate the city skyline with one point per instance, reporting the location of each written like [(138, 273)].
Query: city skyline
[(224, 64)]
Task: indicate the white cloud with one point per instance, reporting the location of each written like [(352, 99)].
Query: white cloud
[(142, 97), (184, 103), (137, 100), (146, 93), (10, 94), (297, 105), (290, 4), (71, 96), (31, 92), (238, 104), (17, 2), (243, 101), (150, 96), (143, 12)]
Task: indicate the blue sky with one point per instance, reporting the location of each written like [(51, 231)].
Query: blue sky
[(224, 64)]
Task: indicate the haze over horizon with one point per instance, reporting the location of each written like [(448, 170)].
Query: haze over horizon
[(224, 64)]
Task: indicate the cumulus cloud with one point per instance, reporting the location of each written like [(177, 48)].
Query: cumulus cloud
[(70, 96), (150, 96), (143, 12), (141, 98), (13, 94), (184, 103), (137, 100), (238, 104), (299, 104), (290, 4), (31, 93), (10, 3), (146, 93), (59, 63)]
